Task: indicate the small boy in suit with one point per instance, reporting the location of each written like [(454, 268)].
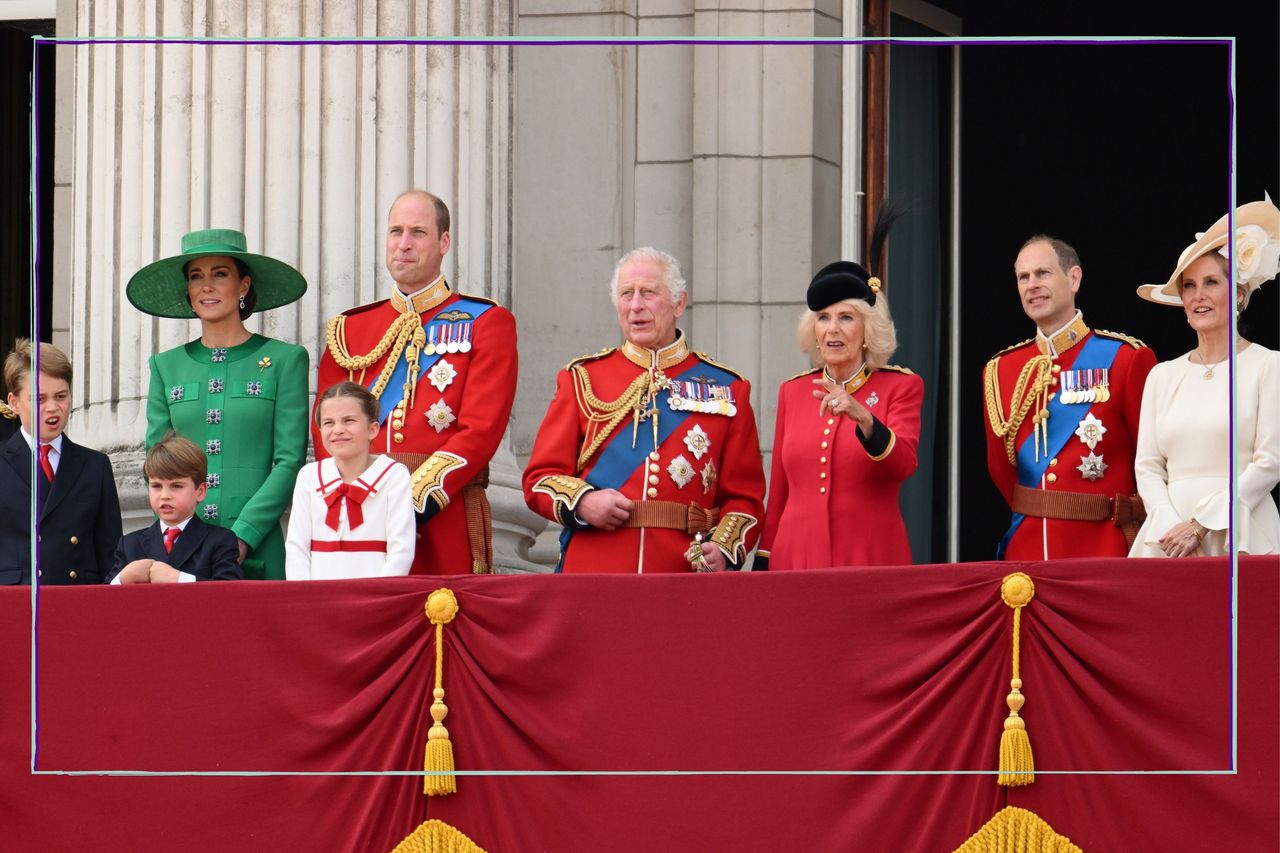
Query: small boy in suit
[(79, 520), (179, 547)]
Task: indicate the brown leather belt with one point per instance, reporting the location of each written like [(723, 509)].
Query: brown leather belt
[(1124, 511), (671, 515)]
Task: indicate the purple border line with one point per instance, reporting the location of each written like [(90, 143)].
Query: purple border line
[(637, 41), (1233, 505), (562, 41), (34, 383)]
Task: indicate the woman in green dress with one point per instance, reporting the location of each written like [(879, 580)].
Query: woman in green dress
[(239, 395)]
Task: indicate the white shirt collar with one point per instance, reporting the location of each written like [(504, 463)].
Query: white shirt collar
[(57, 441)]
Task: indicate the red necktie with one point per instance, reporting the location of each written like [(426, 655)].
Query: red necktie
[(45, 465), (353, 496), (170, 535)]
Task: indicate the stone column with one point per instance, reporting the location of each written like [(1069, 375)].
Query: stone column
[(726, 156), (303, 147)]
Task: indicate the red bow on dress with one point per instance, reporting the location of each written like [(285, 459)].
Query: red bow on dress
[(354, 496)]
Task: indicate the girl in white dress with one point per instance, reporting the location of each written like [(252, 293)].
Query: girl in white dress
[(1185, 427), (352, 513)]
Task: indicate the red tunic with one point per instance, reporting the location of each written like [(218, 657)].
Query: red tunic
[(712, 459), (1052, 538), (471, 411), (833, 500)]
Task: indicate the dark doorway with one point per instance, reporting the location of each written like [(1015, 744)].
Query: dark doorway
[(16, 285), (1123, 151)]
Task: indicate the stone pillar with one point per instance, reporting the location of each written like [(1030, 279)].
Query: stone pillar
[(726, 156), (303, 147)]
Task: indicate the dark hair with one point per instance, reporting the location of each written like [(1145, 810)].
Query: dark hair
[(1067, 256), (17, 365), (243, 271), (175, 457), (368, 402)]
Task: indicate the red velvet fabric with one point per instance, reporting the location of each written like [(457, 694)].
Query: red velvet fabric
[(1126, 666)]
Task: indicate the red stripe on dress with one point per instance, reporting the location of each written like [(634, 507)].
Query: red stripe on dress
[(325, 545)]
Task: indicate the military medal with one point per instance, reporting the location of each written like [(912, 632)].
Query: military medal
[(430, 347), (681, 471), (441, 374), (1090, 431), (708, 477), (464, 345), (440, 415), (1092, 467), (697, 441)]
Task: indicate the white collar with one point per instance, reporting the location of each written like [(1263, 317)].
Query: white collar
[(56, 443)]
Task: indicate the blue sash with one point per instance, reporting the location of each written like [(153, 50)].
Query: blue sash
[(387, 402), (618, 460), (1095, 354)]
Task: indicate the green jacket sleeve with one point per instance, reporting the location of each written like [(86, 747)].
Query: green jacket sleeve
[(158, 422), (289, 448)]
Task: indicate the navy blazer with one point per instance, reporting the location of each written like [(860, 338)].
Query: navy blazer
[(79, 515), (203, 550)]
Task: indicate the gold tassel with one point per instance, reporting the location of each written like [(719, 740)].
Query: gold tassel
[(441, 607), (1015, 830), (1017, 765)]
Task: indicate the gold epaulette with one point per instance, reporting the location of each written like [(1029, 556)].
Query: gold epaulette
[(804, 373), (7, 412), (479, 299), (591, 357), (711, 361), (899, 368), (1121, 336), (1010, 348)]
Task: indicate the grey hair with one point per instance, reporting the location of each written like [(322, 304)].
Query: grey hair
[(671, 276)]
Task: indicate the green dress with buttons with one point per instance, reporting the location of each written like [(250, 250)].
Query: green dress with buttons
[(246, 407)]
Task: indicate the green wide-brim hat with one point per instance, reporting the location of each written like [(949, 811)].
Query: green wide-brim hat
[(160, 288)]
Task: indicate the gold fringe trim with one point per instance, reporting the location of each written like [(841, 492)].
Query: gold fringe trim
[(436, 836), (1015, 830), (441, 607), (1017, 764)]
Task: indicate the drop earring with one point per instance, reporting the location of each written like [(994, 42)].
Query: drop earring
[(242, 302)]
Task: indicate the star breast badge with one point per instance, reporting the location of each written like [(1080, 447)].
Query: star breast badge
[(441, 374), (681, 471), (440, 416)]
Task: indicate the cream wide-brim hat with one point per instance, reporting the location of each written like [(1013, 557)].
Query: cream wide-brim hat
[(1257, 251)]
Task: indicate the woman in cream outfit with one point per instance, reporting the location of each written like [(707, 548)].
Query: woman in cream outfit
[(1185, 427)]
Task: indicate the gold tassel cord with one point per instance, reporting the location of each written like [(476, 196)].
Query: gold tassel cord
[(441, 607), (1017, 765)]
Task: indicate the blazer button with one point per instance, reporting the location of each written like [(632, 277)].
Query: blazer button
[(75, 541), (72, 574), (1053, 463), (398, 438), (1051, 477)]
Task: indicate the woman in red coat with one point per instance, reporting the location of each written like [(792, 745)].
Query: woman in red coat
[(846, 432)]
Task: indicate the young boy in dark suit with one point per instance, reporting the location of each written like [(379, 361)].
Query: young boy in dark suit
[(179, 547), (79, 519)]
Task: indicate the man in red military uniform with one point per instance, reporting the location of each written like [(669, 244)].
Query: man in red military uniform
[(1062, 419), (443, 367), (648, 454)]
